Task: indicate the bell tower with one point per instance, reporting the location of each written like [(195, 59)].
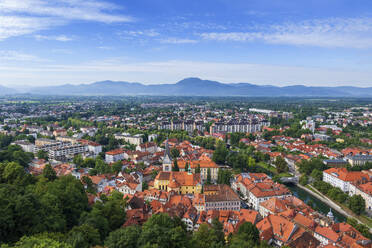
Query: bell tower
[(167, 161)]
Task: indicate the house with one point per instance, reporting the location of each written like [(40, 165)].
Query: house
[(326, 235), (350, 237), (276, 206), (129, 183), (257, 188), (364, 190), (60, 132), (341, 178), (150, 147), (304, 240), (189, 218), (276, 230), (114, 155), (94, 148)]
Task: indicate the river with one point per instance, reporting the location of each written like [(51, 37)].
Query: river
[(318, 205)]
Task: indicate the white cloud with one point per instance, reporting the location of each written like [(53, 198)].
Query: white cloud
[(19, 56), (333, 32), (172, 71), (19, 17), (62, 38), (105, 47), (178, 41), (15, 25), (138, 33)]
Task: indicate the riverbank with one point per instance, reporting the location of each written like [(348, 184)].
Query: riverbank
[(314, 192), (318, 205)]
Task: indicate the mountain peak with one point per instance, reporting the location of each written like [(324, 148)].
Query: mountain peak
[(190, 80)]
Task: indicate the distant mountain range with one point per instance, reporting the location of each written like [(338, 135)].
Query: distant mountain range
[(194, 87), (6, 91)]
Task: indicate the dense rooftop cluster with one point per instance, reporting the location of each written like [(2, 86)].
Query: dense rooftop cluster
[(200, 163)]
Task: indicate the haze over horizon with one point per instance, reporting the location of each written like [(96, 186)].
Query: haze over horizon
[(283, 42)]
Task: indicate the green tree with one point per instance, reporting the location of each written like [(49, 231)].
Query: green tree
[(357, 204), (217, 228), (83, 236), (102, 167), (175, 166), (197, 170), (117, 167), (251, 162), (89, 163), (209, 177), (280, 164), (49, 173), (13, 173), (205, 237), (307, 166), (113, 209), (220, 154), (96, 220), (163, 231), (41, 154), (19, 213), (175, 153), (304, 180), (78, 160), (124, 237), (224, 176), (317, 175), (247, 236), (40, 242), (68, 195)]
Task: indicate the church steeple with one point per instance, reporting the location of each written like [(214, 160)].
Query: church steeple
[(167, 161)]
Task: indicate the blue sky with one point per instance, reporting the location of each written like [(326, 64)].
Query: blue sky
[(279, 42)]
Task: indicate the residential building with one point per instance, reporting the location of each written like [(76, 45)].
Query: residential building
[(245, 126), (365, 191), (69, 151), (359, 159), (326, 235), (220, 197), (114, 155), (25, 145), (341, 178), (150, 147), (132, 139), (60, 132)]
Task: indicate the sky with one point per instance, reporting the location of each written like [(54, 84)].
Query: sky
[(277, 42)]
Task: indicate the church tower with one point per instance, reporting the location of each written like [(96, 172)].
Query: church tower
[(167, 161)]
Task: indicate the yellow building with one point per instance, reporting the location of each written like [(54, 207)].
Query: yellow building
[(180, 182), (204, 165)]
